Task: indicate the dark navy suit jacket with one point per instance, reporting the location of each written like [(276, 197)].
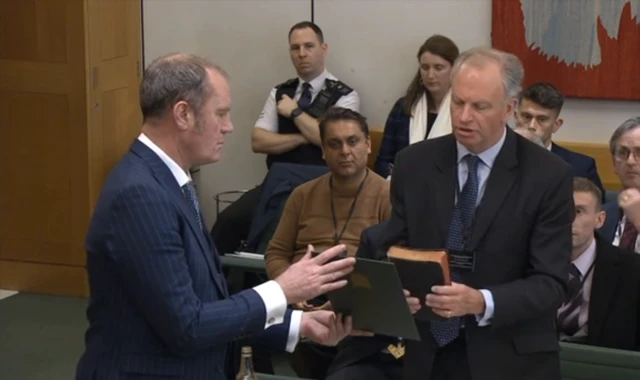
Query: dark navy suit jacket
[(583, 165), (608, 229), (159, 305)]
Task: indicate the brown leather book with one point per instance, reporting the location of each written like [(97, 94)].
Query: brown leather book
[(419, 270)]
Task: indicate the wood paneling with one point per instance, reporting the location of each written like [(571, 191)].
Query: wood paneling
[(69, 90), (604, 161), (34, 277), (33, 30), (115, 64), (599, 152)]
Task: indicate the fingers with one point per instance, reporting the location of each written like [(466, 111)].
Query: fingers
[(406, 292), (330, 254), (340, 327), (308, 254), (440, 302), (331, 286), (443, 313), (450, 290), (344, 266), (414, 304), (361, 333)]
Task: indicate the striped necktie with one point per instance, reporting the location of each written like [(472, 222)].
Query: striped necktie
[(191, 194), (568, 319), (444, 332)]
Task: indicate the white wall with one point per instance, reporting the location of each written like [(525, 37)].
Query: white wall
[(248, 38), (372, 47)]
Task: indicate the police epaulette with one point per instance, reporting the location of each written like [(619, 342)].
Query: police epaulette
[(339, 86), (287, 83)]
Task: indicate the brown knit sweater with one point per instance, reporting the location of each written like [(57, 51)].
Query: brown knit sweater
[(307, 219)]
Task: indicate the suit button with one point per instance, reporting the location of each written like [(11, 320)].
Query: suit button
[(271, 320)]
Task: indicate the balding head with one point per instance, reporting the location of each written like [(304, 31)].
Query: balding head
[(173, 78), (484, 86), (511, 69)]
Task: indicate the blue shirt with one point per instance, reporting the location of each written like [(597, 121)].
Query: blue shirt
[(487, 158)]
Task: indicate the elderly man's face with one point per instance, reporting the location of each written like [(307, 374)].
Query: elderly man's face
[(626, 159), (479, 109)]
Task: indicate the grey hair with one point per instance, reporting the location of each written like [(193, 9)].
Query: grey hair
[(529, 135), (510, 66), (628, 125), (173, 78)]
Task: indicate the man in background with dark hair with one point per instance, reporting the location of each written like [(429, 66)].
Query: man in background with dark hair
[(602, 304), (539, 108), (287, 128), (335, 207)]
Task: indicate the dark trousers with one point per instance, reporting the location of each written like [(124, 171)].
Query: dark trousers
[(376, 367), (234, 222), (311, 360), (451, 362)]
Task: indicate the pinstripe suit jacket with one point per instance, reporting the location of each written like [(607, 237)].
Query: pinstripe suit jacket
[(159, 305)]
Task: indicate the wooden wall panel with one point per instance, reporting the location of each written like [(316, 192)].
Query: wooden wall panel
[(43, 133)]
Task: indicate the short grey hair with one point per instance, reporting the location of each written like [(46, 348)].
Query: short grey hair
[(510, 66), (172, 78), (628, 125), (529, 135)]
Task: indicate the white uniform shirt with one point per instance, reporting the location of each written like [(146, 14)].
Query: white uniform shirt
[(268, 118)]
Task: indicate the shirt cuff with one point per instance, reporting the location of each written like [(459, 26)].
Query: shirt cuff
[(275, 303), (485, 320), (294, 330)]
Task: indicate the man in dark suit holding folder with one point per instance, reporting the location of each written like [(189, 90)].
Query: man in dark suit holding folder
[(505, 206)]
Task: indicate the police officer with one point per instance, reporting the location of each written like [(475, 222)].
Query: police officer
[(287, 128)]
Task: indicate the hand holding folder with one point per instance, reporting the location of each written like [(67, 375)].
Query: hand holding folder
[(419, 271)]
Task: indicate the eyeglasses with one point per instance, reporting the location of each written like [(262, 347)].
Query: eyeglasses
[(622, 154)]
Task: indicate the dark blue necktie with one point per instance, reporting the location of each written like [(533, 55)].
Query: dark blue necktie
[(445, 332), (305, 97), (192, 197)]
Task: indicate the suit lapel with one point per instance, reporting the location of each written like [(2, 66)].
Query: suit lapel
[(501, 179), (605, 280), (166, 179), (444, 185)]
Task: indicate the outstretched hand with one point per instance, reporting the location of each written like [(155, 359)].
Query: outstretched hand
[(327, 328), (314, 276)]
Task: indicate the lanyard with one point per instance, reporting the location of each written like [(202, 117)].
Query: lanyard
[(584, 279), (336, 237)]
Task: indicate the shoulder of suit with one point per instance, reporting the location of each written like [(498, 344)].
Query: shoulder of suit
[(574, 154), (338, 85), (288, 83)]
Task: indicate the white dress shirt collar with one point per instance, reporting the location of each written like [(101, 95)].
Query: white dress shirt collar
[(584, 261), (487, 157), (180, 175), (316, 83)]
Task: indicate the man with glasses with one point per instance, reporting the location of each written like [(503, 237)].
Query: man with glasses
[(623, 218)]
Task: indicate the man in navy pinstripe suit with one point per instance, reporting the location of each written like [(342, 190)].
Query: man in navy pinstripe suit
[(159, 305)]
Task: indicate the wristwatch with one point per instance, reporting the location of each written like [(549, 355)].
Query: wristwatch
[(295, 113)]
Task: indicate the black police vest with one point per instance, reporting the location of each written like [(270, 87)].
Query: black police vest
[(307, 154)]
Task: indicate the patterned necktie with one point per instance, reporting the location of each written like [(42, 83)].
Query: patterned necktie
[(568, 319), (305, 97), (191, 194), (445, 332), (629, 236)]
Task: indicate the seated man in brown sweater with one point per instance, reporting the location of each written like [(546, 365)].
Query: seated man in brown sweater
[(332, 209)]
